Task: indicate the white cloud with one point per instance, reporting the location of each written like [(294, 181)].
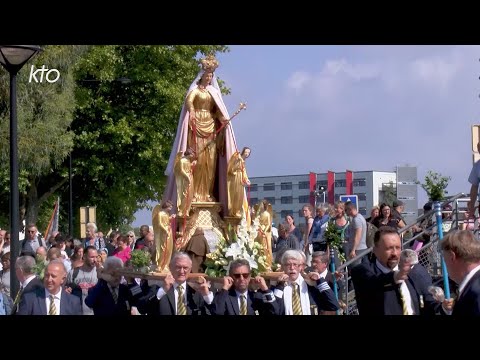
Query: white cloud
[(298, 80)]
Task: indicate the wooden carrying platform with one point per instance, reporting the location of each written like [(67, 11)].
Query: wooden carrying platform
[(192, 277)]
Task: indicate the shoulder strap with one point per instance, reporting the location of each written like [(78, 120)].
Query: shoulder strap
[(75, 274)]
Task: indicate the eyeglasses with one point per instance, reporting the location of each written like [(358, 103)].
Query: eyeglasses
[(31, 231), (237, 276), (293, 265)]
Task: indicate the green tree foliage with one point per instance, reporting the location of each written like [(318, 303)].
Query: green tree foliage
[(44, 114), (389, 193), (435, 185), (124, 131)]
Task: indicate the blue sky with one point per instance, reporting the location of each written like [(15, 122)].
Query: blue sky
[(319, 108)]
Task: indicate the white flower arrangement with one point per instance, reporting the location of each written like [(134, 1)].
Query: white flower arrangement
[(243, 246)]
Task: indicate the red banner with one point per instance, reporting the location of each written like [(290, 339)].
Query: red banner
[(331, 187), (349, 182), (313, 185)]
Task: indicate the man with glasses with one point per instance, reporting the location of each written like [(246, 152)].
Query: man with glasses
[(308, 294), (32, 241), (176, 297), (236, 299)]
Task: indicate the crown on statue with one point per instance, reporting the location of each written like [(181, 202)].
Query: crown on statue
[(209, 63)]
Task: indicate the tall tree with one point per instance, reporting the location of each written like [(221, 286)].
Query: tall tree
[(129, 100), (44, 115)]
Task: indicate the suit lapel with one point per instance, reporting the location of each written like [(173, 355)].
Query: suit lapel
[(191, 304), (232, 295), (64, 304), (171, 299), (250, 296), (42, 302)]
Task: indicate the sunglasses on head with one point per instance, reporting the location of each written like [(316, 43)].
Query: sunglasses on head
[(237, 276)]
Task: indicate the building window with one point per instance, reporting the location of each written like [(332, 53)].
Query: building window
[(340, 183), (362, 211), (362, 196), (337, 197), (359, 182), (286, 200), (304, 199), (271, 200), (300, 213), (253, 201), (269, 187), (304, 184), (253, 187), (323, 183), (286, 186), (284, 213)]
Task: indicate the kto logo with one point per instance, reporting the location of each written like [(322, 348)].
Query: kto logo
[(43, 70)]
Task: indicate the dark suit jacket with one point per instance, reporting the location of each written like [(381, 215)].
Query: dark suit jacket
[(148, 302), (468, 304), (323, 301), (32, 286), (377, 293), (195, 303), (33, 303), (226, 303), (100, 299)]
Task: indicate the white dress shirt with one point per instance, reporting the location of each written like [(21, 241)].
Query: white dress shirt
[(238, 298), (161, 293), (56, 299)]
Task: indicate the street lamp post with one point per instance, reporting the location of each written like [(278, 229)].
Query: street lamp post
[(12, 58)]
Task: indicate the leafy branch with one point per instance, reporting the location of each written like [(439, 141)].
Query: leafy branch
[(435, 185), (334, 240)]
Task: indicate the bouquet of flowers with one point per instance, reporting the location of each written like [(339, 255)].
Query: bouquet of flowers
[(334, 240), (243, 246)]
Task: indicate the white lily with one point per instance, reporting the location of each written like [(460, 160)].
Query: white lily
[(251, 261), (234, 250)]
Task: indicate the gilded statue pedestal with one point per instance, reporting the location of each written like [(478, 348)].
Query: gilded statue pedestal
[(204, 216)]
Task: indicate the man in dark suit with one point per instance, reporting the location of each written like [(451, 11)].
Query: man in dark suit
[(236, 299), (108, 297), (298, 293), (52, 300), (29, 282), (176, 297), (389, 284), (461, 252)]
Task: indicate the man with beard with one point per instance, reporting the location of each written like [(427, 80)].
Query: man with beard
[(388, 284)]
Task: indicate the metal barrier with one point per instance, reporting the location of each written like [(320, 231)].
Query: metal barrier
[(428, 255)]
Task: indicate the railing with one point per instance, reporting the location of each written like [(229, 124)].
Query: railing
[(428, 255)]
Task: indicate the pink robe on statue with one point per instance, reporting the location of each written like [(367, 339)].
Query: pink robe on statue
[(180, 144)]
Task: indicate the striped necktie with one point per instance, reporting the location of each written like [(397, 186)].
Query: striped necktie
[(181, 309), (296, 304), (243, 305), (53, 309), (17, 298), (114, 295)]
